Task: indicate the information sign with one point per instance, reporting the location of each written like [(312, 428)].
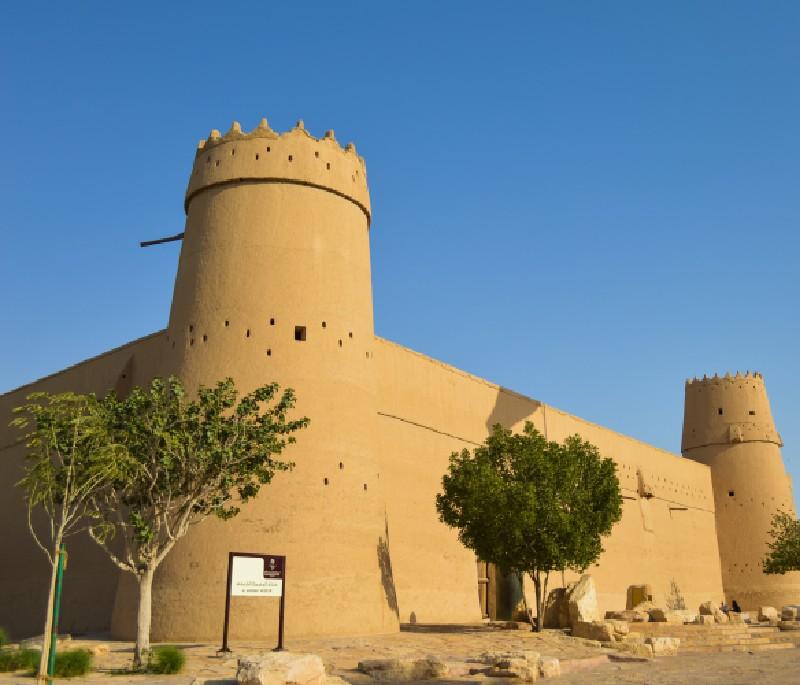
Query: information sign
[(255, 575)]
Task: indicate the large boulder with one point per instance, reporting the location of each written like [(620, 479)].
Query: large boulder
[(393, 670), (556, 609), (280, 668), (583, 605), (664, 646), (768, 614)]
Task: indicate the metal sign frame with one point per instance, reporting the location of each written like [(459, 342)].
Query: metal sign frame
[(228, 585)]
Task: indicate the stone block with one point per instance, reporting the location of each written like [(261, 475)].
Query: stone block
[(664, 646), (583, 605), (638, 649), (549, 667), (735, 617), (767, 614), (280, 668), (556, 609), (789, 625), (513, 665), (704, 620), (708, 608), (790, 612), (394, 670), (667, 616), (637, 594), (602, 631), (720, 617)]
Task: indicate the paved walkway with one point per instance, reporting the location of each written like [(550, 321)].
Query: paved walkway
[(456, 645)]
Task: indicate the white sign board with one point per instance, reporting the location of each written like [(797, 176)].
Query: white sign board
[(247, 579)]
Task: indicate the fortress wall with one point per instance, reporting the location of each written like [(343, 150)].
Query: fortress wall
[(429, 409), (90, 581)]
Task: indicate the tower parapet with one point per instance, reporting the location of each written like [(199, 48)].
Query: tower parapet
[(725, 410), (291, 157)]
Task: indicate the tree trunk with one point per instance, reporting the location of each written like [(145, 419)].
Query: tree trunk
[(48, 619), (143, 616), (537, 583)]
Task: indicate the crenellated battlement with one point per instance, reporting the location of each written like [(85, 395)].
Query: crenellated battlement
[(725, 410), (716, 379), (264, 155)]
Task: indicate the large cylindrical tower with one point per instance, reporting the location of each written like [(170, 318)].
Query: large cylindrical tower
[(728, 426), (274, 284)]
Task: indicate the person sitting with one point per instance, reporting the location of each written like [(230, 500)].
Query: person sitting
[(723, 607), (735, 607)]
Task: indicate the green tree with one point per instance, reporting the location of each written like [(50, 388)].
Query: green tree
[(68, 461), (185, 460), (530, 505), (784, 549)]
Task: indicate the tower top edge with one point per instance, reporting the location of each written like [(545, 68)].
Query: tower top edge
[(263, 130), (716, 379)]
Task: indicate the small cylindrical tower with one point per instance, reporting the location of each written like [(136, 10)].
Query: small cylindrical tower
[(728, 426), (274, 284)]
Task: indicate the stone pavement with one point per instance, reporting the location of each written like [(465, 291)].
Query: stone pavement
[(582, 663)]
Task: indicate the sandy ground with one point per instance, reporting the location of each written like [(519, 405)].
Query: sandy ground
[(457, 646)]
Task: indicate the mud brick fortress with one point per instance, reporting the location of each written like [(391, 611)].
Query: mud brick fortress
[(274, 283)]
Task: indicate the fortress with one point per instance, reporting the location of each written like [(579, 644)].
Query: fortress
[(274, 283)]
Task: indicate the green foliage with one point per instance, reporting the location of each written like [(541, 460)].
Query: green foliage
[(187, 459), (73, 662), (166, 660), (3, 638), (69, 458), (19, 659), (530, 505), (784, 549)]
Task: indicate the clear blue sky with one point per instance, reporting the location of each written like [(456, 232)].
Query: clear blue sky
[(586, 202)]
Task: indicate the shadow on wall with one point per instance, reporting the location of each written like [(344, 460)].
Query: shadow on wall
[(387, 577), (510, 408)]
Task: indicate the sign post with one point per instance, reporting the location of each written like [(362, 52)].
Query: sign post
[(255, 575)]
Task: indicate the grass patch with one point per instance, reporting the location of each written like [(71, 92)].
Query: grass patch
[(73, 662), (18, 660), (166, 660)]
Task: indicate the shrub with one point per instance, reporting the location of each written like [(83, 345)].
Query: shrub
[(73, 662), (19, 659), (166, 660), (3, 638)]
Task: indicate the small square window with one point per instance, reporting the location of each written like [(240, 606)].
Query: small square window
[(730, 493), (300, 333), (752, 412), (719, 411)]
